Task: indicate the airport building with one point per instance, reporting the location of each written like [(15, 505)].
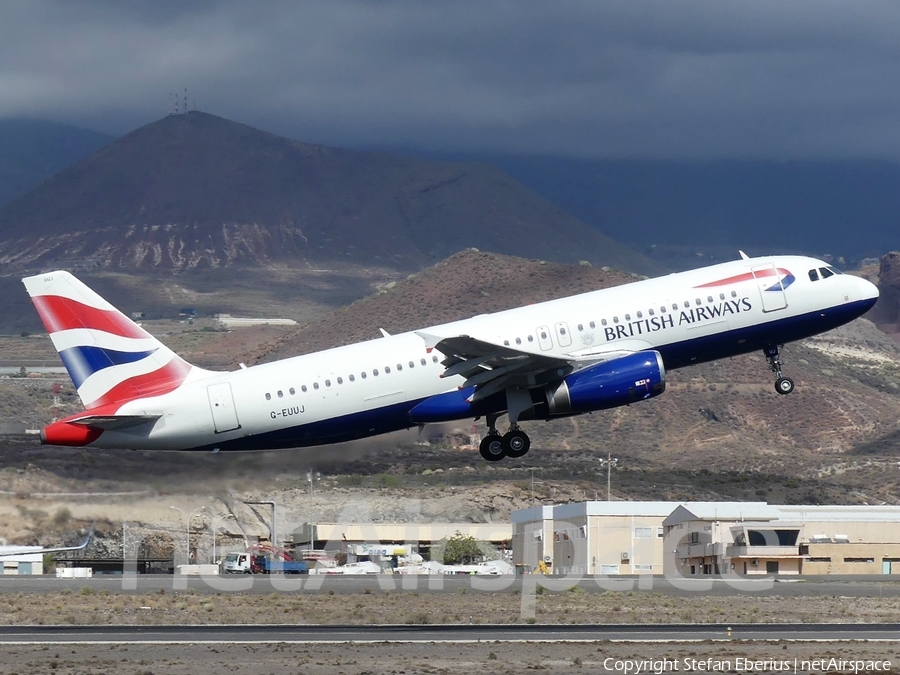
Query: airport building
[(19, 560), (706, 538), (591, 537)]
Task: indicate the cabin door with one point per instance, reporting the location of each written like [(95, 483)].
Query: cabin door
[(771, 290), (221, 403)]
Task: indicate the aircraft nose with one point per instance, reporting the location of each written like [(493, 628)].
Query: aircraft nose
[(868, 290)]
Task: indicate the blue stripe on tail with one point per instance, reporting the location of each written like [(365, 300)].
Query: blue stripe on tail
[(82, 362)]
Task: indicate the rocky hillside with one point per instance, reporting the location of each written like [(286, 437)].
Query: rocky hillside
[(887, 312), (468, 283), (721, 417), (198, 192)]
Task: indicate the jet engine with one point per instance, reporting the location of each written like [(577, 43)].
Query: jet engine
[(609, 384)]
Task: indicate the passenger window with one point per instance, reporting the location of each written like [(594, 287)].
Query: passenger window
[(662, 309), (531, 338), (640, 314), (375, 372), (340, 380), (268, 396), (434, 358), (518, 341), (825, 272), (292, 392), (580, 327), (593, 325), (650, 311), (387, 370), (674, 306), (709, 298), (412, 364), (352, 377), (363, 375), (280, 394), (315, 385), (628, 317), (423, 362), (721, 296), (698, 301), (733, 294), (303, 388), (813, 275), (687, 303), (603, 322), (327, 383), (505, 344), (562, 331), (543, 335), (615, 319)]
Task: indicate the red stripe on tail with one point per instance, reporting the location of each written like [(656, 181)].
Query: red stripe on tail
[(162, 381), (60, 313)]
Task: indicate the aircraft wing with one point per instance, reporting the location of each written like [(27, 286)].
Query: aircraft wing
[(56, 549), (492, 368)]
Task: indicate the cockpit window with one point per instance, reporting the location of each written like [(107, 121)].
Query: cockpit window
[(813, 275), (826, 272), (835, 270)]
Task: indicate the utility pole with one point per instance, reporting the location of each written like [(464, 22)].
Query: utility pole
[(313, 479), (609, 462)]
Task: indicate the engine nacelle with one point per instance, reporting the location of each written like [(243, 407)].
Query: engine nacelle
[(609, 384)]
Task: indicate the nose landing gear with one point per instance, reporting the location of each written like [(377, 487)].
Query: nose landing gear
[(783, 385)]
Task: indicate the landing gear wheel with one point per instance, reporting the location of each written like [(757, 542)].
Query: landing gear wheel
[(492, 448), (784, 385), (516, 443)]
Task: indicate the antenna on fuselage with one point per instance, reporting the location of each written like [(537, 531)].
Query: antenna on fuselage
[(744, 255)]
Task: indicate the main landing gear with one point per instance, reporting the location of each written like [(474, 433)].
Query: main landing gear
[(783, 385), (494, 447)]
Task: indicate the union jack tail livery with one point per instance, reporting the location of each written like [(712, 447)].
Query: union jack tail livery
[(110, 358)]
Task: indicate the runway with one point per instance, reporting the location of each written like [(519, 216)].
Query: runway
[(292, 634), (856, 587)]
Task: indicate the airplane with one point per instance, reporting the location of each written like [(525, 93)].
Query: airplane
[(53, 549), (579, 354)]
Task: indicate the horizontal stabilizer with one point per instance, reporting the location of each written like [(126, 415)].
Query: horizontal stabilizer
[(110, 422)]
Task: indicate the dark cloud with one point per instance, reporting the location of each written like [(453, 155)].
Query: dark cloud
[(633, 78)]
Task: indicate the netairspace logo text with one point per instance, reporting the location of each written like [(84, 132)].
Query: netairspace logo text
[(742, 665)]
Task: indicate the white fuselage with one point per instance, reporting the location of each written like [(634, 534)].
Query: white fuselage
[(369, 387)]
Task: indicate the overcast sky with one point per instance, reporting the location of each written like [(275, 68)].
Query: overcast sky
[(673, 78)]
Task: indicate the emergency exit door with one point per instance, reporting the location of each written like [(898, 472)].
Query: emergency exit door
[(221, 403)]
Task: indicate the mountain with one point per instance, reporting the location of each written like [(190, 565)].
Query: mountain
[(678, 212), (33, 150), (196, 191)]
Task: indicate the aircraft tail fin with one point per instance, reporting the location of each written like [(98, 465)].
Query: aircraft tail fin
[(110, 358)]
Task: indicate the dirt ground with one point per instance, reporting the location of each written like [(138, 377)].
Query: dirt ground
[(87, 607), (484, 658)]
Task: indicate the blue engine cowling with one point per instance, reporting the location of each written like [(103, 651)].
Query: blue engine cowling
[(609, 384), (619, 381)]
